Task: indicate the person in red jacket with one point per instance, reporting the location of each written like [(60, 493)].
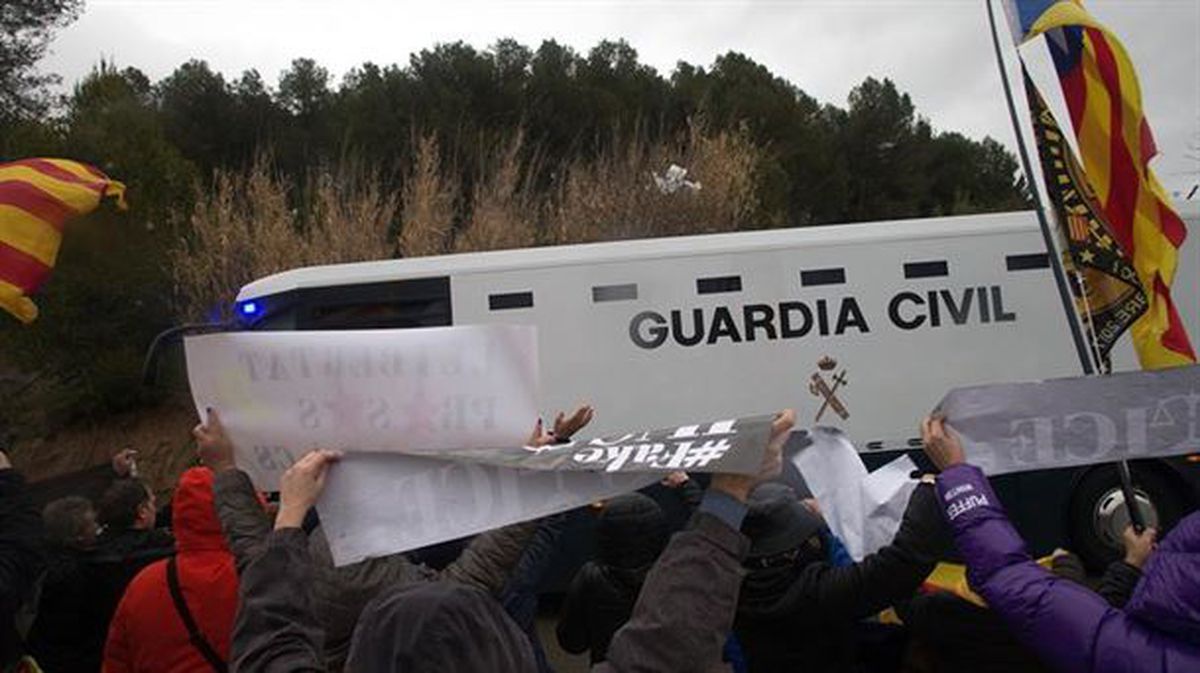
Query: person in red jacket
[(180, 626)]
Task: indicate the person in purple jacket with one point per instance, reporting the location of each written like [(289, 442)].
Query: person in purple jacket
[(1071, 628)]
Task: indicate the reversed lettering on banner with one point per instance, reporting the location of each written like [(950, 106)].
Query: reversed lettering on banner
[(1014, 427), (281, 394), (734, 445)]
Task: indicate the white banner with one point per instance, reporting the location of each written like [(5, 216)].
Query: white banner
[(281, 394), (379, 504)]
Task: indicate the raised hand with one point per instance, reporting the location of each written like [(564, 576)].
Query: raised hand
[(941, 444), (565, 426), (124, 463), (539, 437), (675, 479), (1138, 546), (740, 485), (212, 444), (301, 485)]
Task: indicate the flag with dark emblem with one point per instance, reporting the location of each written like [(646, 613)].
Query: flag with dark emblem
[(1108, 293)]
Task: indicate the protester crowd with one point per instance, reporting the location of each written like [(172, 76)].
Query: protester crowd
[(224, 579)]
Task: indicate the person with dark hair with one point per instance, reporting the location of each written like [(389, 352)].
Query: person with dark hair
[(680, 622), (127, 504), (21, 559), (1069, 627), (797, 611), (630, 534), (177, 614), (128, 542), (128, 538), (72, 617), (70, 523)]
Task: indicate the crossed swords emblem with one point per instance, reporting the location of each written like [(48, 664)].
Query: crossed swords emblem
[(828, 389)]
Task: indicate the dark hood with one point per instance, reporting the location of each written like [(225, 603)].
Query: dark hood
[(1168, 595), (631, 533), (440, 626)]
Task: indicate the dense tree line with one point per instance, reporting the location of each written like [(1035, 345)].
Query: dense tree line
[(874, 158)]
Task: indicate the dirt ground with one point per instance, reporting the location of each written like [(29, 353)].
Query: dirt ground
[(162, 437)]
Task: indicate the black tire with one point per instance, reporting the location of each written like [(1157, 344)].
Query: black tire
[(1163, 492)]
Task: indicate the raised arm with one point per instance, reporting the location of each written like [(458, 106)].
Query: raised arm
[(1069, 626), (277, 629), (686, 608), (244, 522), (889, 575), (490, 560)]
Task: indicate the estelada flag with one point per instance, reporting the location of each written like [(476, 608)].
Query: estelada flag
[(37, 198), (1115, 144), (1109, 294)]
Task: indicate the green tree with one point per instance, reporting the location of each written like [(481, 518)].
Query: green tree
[(26, 27), (886, 148), (198, 115), (110, 291)]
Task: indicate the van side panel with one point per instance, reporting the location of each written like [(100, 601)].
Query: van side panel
[(887, 326)]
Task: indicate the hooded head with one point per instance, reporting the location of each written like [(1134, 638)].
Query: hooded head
[(631, 532), (439, 626), (193, 514), (1167, 597)]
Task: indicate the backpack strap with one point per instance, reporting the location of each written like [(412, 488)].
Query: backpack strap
[(197, 639)]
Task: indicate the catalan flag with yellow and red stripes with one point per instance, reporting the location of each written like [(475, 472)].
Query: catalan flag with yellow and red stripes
[(1115, 144), (37, 199)]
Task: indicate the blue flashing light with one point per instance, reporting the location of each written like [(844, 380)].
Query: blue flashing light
[(250, 308)]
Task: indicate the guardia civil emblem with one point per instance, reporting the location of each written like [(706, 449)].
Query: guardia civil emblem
[(827, 389)]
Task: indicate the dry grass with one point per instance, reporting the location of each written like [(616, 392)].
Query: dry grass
[(245, 227), (504, 207), (427, 218), (614, 197)]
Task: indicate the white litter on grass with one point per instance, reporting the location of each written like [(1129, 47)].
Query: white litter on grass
[(675, 179)]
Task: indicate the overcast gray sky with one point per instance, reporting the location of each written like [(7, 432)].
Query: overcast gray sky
[(937, 50)]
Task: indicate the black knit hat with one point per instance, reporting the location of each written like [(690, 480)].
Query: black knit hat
[(631, 532), (777, 521)]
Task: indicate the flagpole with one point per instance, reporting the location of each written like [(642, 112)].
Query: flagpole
[(1060, 276)]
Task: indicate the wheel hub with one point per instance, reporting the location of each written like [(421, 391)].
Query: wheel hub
[(1111, 517)]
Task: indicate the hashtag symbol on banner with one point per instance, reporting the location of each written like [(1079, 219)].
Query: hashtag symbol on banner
[(702, 455)]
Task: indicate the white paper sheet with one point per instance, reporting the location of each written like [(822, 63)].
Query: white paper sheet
[(863, 509), (416, 390)]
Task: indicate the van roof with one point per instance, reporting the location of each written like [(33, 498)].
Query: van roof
[(597, 253)]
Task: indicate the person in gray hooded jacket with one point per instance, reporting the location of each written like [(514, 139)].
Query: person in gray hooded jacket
[(680, 622), (339, 594)]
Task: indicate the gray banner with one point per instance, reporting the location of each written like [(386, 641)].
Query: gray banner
[(1016, 427), (734, 445)]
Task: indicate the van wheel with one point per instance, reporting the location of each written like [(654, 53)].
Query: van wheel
[(1098, 515)]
